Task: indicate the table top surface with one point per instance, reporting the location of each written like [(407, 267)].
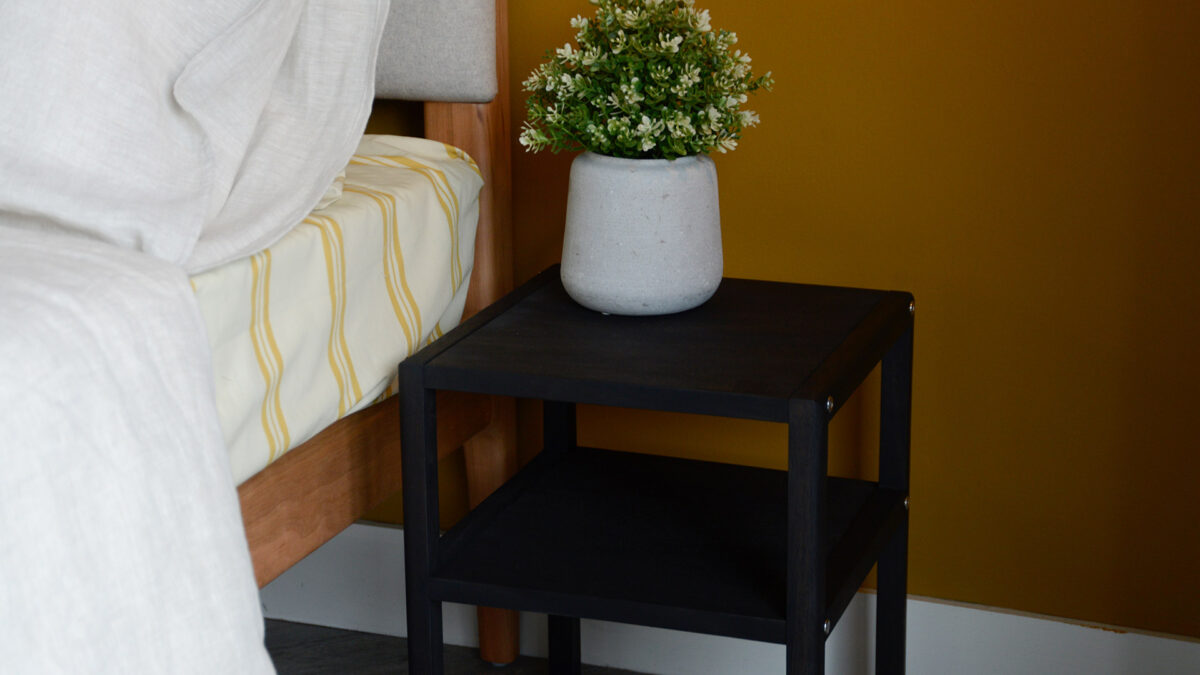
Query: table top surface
[(746, 352)]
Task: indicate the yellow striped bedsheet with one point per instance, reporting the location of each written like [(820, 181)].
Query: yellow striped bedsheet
[(312, 328)]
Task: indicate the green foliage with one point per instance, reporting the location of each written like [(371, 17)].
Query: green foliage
[(649, 79)]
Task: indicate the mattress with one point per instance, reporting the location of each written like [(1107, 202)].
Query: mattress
[(312, 328)]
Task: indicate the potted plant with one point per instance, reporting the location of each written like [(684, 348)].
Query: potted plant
[(647, 92)]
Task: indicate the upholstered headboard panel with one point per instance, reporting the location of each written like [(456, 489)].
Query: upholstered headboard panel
[(438, 50)]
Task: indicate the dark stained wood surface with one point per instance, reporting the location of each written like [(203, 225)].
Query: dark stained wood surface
[(680, 543), (744, 353)]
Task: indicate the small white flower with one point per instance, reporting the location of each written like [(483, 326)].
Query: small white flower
[(680, 126), (629, 94), (670, 44), (618, 125), (689, 77), (619, 42), (749, 118), (533, 139), (647, 131), (565, 52), (727, 144)]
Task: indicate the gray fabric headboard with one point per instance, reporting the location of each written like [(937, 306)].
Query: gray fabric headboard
[(438, 50)]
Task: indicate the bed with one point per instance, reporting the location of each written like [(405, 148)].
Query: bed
[(297, 487)]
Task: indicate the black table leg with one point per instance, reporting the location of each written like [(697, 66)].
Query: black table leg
[(890, 610), (565, 656), (558, 435), (558, 425), (418, 431), (894, 431), (808, 459)]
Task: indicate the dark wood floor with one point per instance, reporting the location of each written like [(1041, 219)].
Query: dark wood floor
[(301, 649)]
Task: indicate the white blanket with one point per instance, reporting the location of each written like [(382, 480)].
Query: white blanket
[(172, 127), (167, 128), (121, 543)]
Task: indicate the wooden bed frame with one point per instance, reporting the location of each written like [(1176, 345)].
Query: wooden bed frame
[(319, 488)]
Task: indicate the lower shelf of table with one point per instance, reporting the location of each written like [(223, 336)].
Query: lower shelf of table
[(656, 541)]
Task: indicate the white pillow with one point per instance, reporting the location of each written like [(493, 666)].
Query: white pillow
[(161, 126), (270, 174), (90, 137)]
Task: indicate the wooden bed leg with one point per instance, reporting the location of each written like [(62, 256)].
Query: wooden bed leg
[(492, 459), (499, 635)]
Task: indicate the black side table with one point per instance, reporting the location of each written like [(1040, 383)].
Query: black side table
[(697, 546)]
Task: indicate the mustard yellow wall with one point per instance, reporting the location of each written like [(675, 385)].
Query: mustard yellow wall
[(1030, 171)]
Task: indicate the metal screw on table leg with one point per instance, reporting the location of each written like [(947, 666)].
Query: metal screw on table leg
[(829, 404), (912, 308), (827, 626), (906, 502)]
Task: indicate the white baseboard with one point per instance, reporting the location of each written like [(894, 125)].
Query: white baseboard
[(356, 581)]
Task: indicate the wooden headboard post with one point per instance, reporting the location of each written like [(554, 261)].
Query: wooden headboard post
[(482, 130)]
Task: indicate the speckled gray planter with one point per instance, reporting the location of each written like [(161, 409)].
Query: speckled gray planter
[(643, 235)]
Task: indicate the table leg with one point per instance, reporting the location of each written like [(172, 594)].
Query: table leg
[(564, 645), (558, 425), (558, 435), (808, 460), (894, 434), (418, 451), (491, 458)]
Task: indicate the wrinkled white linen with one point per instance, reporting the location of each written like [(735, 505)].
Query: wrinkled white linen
[(320, 93), (121, 542), (170, 127), (138, 137)]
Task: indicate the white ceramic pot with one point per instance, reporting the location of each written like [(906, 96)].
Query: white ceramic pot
[(643, 236)]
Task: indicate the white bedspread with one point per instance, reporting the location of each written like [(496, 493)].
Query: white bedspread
[(121, 544)]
